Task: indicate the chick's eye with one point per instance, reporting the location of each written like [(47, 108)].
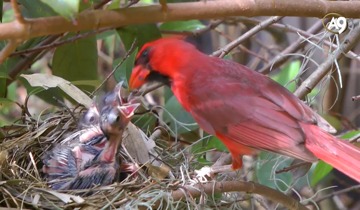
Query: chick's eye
[(91, 119), (118, 119)]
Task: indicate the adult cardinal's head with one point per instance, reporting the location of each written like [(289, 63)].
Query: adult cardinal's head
[(160, 61)]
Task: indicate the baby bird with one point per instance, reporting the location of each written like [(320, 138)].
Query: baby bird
[(88, 157), (66, 159)]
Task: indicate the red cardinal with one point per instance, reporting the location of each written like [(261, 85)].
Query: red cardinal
[(243, 108)]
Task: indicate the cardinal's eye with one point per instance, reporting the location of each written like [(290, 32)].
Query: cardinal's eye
[(143, 58), (145, 53)]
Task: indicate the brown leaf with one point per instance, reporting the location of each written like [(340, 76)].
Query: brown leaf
[(135, 145), (37, 80)]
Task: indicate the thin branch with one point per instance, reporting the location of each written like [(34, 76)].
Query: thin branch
[(97, 19), (232, 186), (325, 67), (338, 193), (150, 88), (59, 43), (226, 49), (128, 53), (17, 13), (241, 47)]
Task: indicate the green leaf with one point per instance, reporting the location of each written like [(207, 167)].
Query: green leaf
[(189, 25), (142, 33), (145, 121), (124, 70), (51, 96), (8, 16), (77, 61), (334, 121), (4, 75), (179, 120), (266, 166), (36, 8), (115, 4), (66, 8), (287, 74), (85, 4), (6, 102), (92, 83), (350, 134), (321, 170), (105, 34), (148, 1), (207, 144), (215, 143)]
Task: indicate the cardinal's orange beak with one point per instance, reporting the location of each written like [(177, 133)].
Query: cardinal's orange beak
[(138, 77)]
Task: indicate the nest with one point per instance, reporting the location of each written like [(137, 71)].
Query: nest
[(158, 183)]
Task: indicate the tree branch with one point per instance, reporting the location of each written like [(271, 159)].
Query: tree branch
[(8, 49), (13, 42), (232, 186), (96, 19)]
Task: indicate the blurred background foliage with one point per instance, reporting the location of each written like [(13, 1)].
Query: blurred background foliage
[(86, 58)]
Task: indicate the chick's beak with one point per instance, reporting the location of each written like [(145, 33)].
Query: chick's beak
[(138, 77)]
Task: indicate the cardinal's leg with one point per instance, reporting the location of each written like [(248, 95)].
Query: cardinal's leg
[(236, 150)]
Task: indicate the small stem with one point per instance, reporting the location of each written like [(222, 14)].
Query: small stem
[(17, 12)]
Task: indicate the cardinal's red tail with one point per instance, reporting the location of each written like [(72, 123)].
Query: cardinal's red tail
[(339, 153)]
